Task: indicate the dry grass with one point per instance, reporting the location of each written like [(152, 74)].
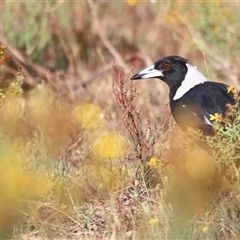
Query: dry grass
[(87, 154)]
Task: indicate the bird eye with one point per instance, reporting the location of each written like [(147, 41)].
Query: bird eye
[(166, 65)]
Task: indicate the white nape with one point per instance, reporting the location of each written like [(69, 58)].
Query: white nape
[(192, 78)]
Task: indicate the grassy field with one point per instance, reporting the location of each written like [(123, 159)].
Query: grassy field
[(87, 154)]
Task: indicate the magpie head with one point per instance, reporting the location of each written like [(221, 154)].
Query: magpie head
[(171, 69), (176, 72)]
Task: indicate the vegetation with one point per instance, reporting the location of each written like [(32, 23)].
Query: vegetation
[(87, 154)]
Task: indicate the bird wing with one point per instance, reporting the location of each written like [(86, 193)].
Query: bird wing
[(194, 108)]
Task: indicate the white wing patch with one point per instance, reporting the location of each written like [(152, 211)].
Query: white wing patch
[(206, 120), (192, 78)]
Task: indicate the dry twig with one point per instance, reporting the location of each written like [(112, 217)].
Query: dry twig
[(100, 32)]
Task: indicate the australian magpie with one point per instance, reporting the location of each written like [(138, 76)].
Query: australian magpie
[(193, 98)]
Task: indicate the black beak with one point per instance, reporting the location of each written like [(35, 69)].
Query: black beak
[(136, 76)]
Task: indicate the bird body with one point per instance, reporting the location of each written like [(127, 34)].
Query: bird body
[(193, 98)]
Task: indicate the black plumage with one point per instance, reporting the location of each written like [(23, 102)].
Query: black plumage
[(193, 98)]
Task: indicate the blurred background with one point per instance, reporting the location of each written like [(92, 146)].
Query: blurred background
[(73, 45), (71, 165)]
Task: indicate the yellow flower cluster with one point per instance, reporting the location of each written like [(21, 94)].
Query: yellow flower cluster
[(153, 161), (216, 117), (18, 185), (154, 220), (110, 145), (205, 229), (231, 89), (132, 3), (88, 115)]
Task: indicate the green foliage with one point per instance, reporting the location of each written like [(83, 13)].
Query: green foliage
[(30, 27), (226, 142), (211, 23), (12, 89), (15, 87)]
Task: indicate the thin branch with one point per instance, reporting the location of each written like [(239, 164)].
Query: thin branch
[(14, 52), (100, 71), (100, 32)]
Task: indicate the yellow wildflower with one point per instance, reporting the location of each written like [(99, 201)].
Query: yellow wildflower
[(216, 117), (205, 229), (231, 89), (131, 3), (153, 161), (154, 220), (89, 115), (110, 145)]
